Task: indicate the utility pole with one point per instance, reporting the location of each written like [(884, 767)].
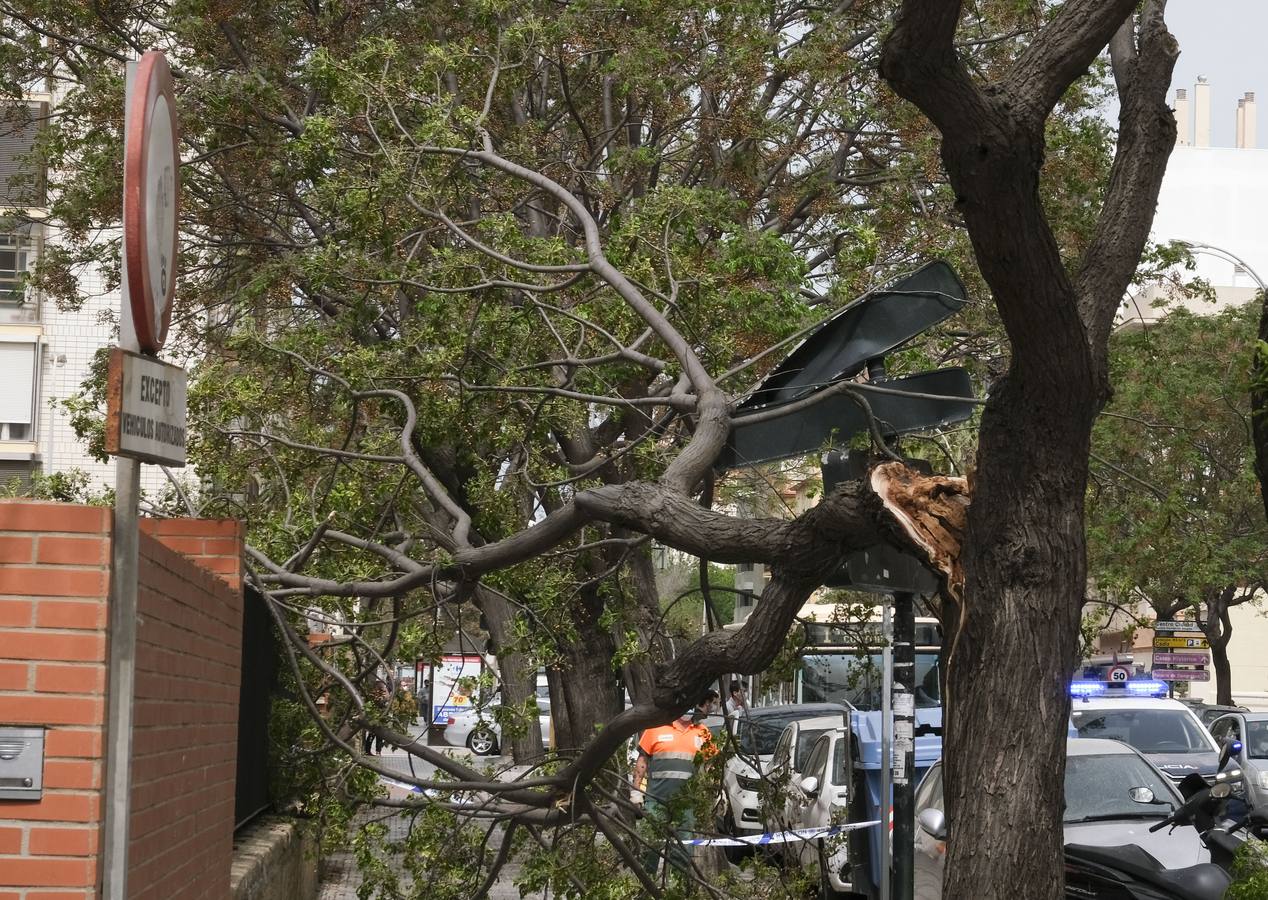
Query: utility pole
[(904, 760)]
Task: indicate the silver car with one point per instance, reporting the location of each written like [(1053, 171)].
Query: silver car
[(1251, 728), (1112, 795), (477, 727)]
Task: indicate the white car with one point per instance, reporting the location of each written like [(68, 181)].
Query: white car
[(820, 796), (757, 733), (1113, 794), (477, 728), (788, 764), (1165, 731)]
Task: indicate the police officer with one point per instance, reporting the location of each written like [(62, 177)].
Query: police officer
[(666, 756)]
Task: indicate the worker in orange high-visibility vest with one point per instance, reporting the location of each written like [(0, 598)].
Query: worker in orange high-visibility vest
[(667, 758)]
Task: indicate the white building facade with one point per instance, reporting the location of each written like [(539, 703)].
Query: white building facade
[(45, 352), (1216, 200)]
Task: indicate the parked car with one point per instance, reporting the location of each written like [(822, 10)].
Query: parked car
[(757, 732), (1209, 712), (477, 728), (1113, 793), (820, 796), (788, 763), (1166, 731), (1251, 728)]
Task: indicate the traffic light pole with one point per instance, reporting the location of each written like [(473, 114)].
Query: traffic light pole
[(904, 758)]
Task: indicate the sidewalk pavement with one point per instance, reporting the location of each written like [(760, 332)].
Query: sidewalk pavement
[(340, 878)]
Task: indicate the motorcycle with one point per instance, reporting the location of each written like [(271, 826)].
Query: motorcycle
[(1130, 873)]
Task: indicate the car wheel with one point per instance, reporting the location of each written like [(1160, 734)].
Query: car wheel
[(826, 890), (482, 742)]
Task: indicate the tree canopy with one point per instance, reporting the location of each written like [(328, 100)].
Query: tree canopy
[(1175, 518), (472, 289)]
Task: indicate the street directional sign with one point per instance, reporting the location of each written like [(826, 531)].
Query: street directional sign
[(1182, 674), (842, 417), (877, 323), (1182, 659), (870, 327), (1176, 625), (1182, 643)]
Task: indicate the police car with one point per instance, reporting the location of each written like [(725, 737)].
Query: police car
[(1137, 713)]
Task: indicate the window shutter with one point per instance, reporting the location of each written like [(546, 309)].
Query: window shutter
[(17, 382)]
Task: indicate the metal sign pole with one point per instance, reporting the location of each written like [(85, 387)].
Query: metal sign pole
[(887, 749), (904, 744), (121, 675), (122, 679)]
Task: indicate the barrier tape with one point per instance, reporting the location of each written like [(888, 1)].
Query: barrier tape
[(780, 837), (748, 840)]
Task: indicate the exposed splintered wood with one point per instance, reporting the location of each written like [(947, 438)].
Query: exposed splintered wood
[(932, 511)]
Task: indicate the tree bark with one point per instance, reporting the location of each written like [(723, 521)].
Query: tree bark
[(1259, 403), (640, 674), (584, 693), (1219, 632), (1009, 665), (1223, 672), (518, 678)]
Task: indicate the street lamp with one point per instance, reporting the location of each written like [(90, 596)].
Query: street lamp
[(1227, 255)]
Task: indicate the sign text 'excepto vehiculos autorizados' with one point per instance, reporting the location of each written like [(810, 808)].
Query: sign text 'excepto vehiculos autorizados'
[(145, 410)]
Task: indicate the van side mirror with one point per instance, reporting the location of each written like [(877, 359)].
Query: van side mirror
[(810, 785), (934, 822)]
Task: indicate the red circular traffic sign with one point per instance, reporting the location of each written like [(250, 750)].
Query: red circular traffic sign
[(1119, 675), (151, 190)]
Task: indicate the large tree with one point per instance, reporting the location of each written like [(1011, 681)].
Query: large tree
[(1175, 521), (475, 289), (1024, 553)]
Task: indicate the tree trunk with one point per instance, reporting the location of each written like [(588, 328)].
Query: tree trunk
[(584, 693), (644, 616), (1223, 672), (1025, 580), (1013, 650), (1219, 631), (1259, 403), (518, 678)]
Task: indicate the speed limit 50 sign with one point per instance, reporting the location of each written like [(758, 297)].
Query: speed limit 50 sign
[(1119, 675)]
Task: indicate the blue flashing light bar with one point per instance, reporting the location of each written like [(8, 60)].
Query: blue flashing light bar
[(1087, 688), (1147, 688)]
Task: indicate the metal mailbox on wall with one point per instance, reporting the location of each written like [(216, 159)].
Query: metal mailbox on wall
[(21, 762)]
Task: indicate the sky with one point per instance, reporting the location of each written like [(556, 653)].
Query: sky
[(1223, 40)]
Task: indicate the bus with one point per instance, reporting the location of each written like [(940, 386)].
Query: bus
[(841, 662)]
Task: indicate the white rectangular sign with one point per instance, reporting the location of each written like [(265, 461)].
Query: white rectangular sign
[(1174, 625), (145, 409)]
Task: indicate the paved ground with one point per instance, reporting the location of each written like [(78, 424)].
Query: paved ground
[(340, 877)]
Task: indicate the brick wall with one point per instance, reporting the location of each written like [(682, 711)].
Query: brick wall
[(54, 579), (185, 742)]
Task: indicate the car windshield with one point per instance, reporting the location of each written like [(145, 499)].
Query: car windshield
[(805, 740), (1148, 730), (758, 735), (1099, 787), (1256, 740)]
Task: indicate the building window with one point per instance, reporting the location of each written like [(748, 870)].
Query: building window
[(14, 256), (17, 400)]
